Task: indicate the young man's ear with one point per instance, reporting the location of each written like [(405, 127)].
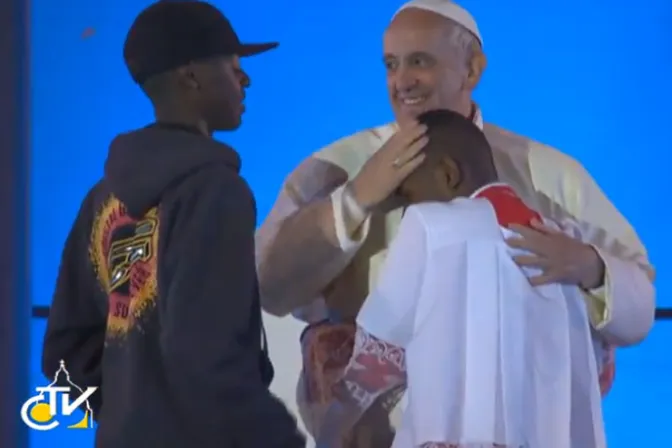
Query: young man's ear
[(451, 172), (188, 77)]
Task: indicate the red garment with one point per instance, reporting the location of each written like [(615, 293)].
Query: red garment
[(509, 208)]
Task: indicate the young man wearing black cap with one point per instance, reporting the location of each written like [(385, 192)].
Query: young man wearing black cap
[(157, 300)]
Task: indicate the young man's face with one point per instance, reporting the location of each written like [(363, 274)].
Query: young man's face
[(222, 84)]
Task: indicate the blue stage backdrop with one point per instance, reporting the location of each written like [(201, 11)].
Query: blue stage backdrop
[(590, 77)]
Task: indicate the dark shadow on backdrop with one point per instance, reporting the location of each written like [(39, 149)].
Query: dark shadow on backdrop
[(14, 278)]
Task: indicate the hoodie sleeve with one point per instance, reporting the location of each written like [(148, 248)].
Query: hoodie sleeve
[(209, 313), (76, 325)]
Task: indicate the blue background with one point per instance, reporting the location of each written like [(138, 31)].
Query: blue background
[(589, 77)]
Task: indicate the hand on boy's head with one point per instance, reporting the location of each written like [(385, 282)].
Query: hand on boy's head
[(382, 174)]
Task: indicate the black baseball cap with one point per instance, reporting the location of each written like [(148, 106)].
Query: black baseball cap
[(170, 34)]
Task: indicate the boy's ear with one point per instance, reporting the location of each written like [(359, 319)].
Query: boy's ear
[(451, 171)]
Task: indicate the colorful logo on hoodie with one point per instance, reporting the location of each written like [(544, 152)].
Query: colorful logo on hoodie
[(123, 253)]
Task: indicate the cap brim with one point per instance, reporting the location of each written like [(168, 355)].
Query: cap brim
[(252, 49)]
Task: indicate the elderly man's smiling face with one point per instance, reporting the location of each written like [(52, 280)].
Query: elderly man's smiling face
[(429, 64)]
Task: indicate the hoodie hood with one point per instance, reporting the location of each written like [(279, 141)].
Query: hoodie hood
[(141, 165)]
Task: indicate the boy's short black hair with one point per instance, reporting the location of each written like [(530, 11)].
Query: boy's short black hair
[(454, 135), (449, 126)]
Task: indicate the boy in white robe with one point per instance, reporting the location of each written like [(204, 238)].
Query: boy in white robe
[(488, 360)]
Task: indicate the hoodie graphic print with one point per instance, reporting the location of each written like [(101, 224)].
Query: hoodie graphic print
[(123, 252)]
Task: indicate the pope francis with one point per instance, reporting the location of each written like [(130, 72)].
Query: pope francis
[(321, 248)]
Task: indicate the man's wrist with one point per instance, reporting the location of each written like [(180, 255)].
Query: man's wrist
[(350, 222), (595, 271), (352, 207)]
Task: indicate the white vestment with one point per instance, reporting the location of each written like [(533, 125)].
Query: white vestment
[(489, 358)]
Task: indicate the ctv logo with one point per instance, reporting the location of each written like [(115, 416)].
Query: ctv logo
[(41, 411)]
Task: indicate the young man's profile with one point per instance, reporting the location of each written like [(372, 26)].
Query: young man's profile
[(157, 299)]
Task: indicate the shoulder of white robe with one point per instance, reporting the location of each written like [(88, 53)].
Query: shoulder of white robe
[(566, 182), (553, 173), (352, 151), (314, 178), (558, 175)]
